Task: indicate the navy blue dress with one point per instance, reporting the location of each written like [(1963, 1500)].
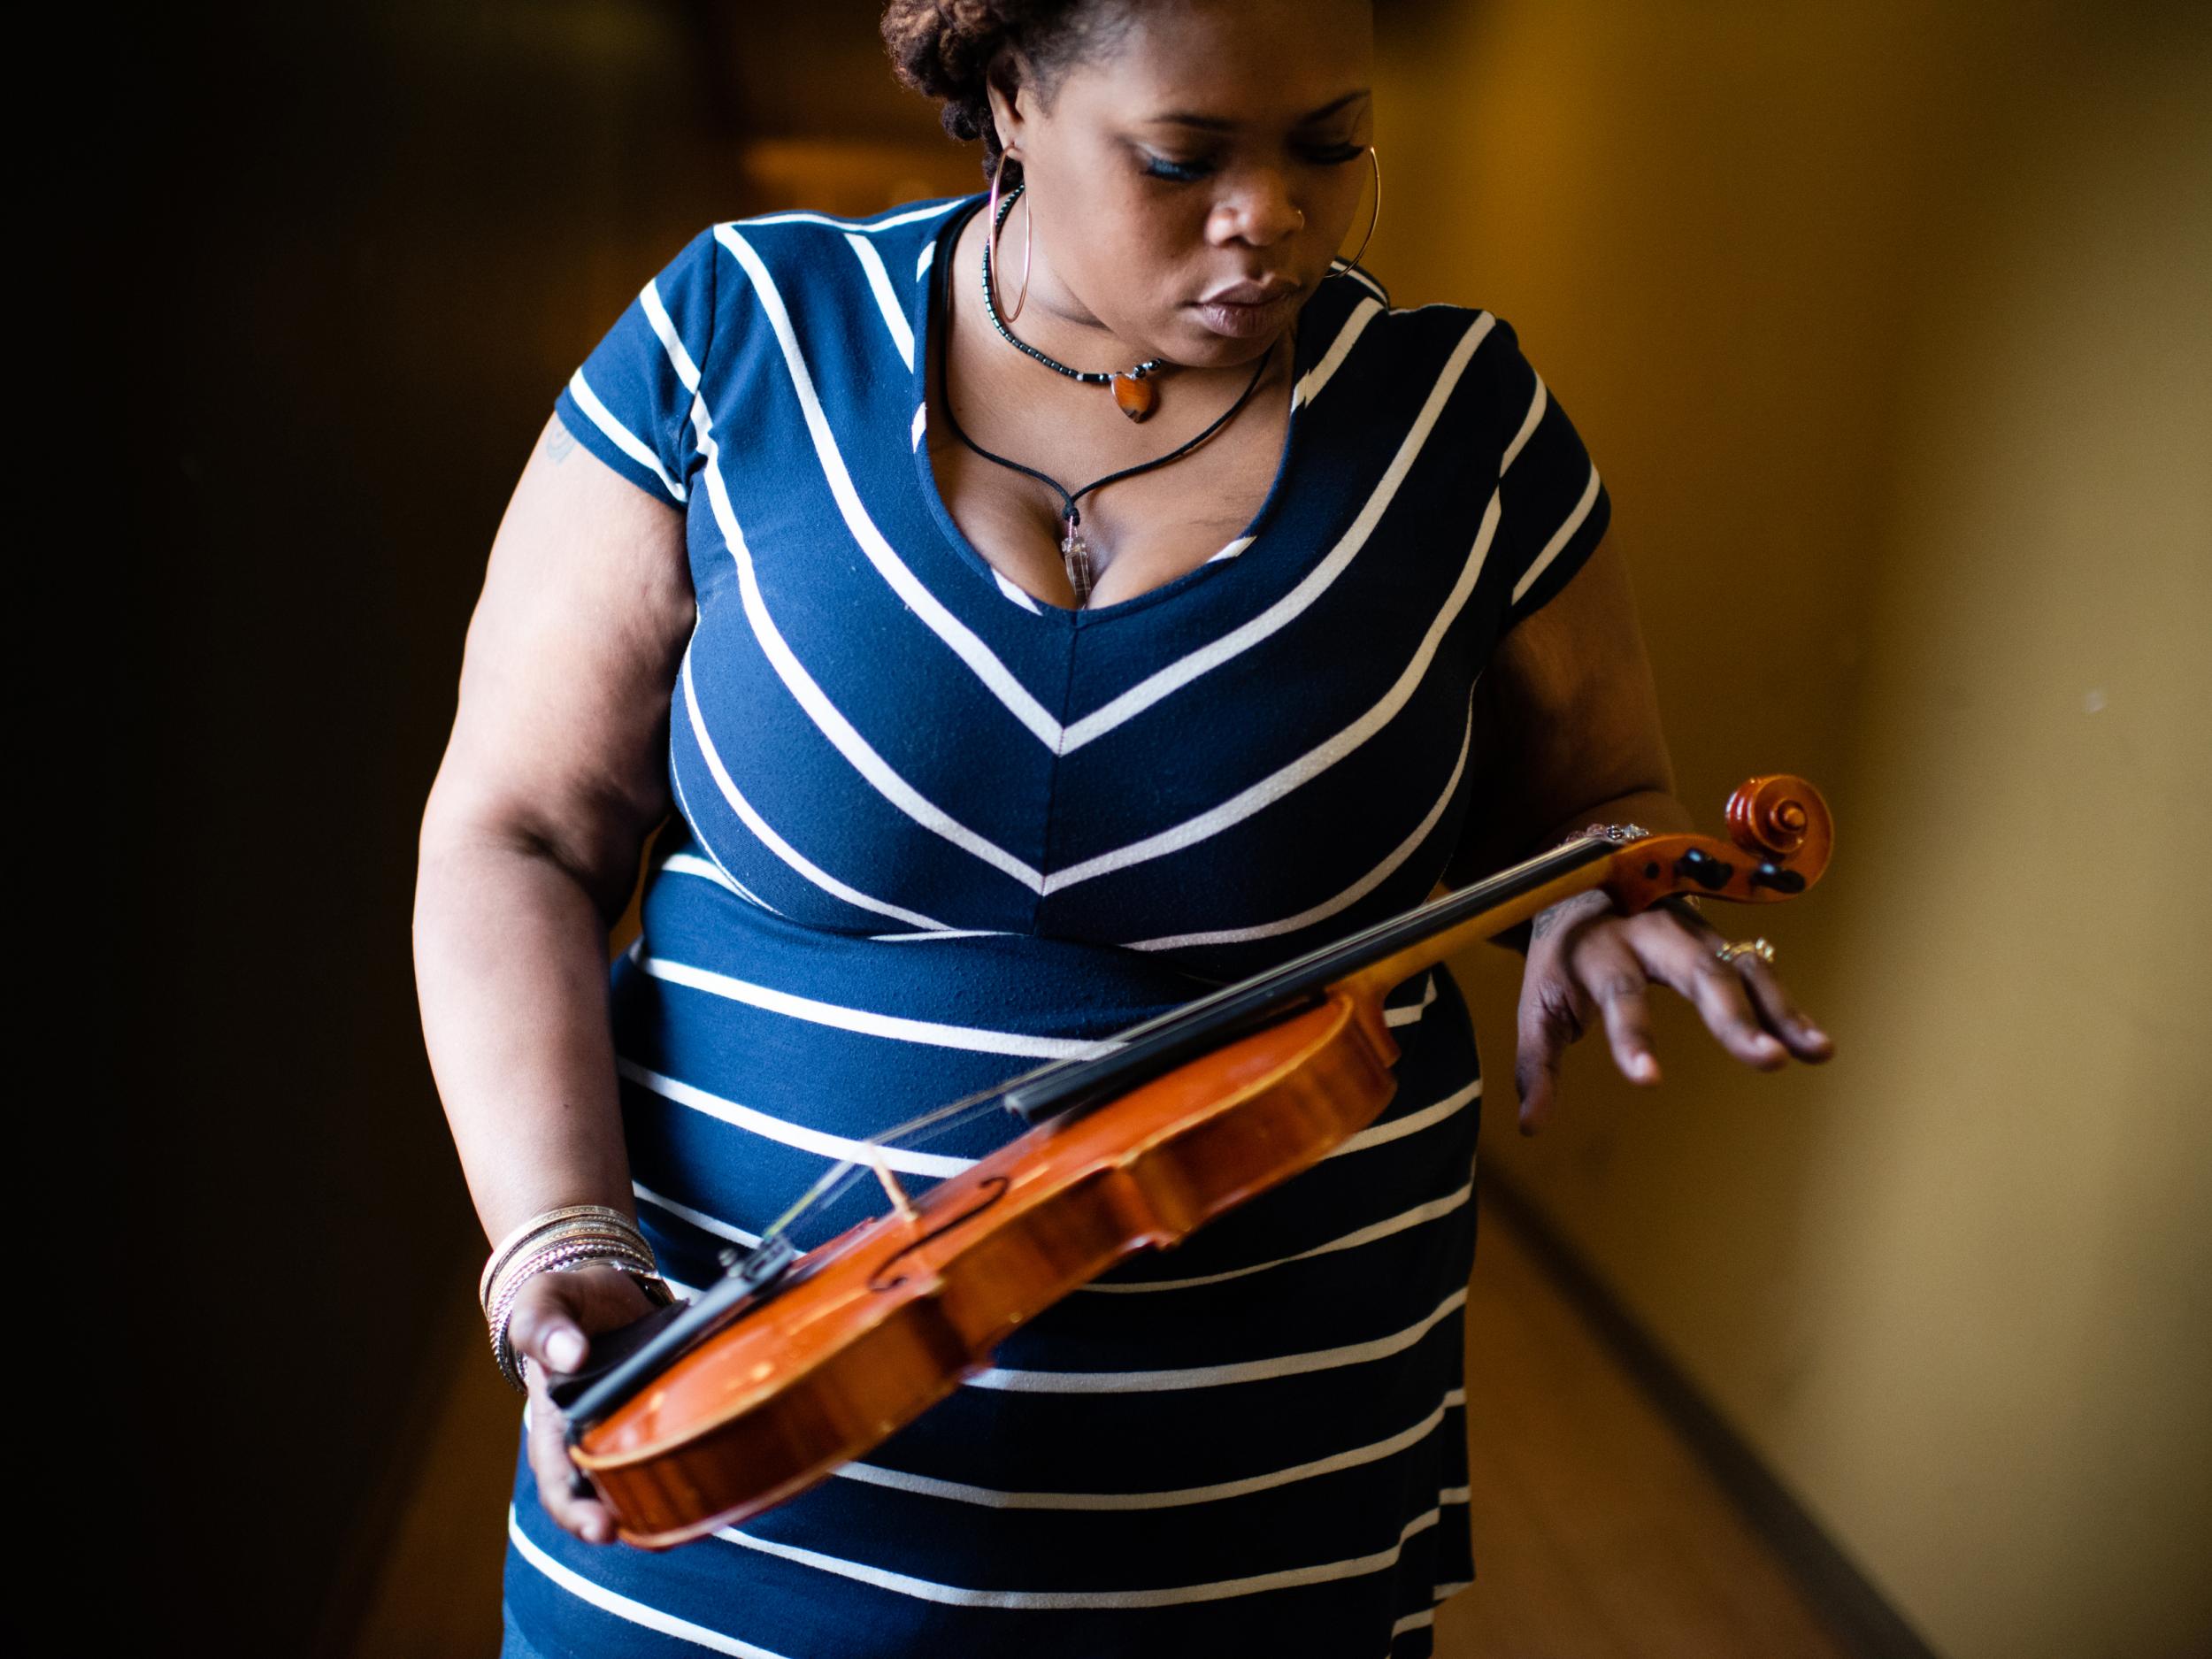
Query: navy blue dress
[(932, 831)]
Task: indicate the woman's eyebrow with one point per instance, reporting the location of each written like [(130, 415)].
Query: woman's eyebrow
[(1217, 124)]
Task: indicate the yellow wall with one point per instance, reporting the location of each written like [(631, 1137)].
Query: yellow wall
[(1891, 329)]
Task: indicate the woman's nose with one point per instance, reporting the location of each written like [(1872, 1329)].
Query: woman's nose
[(1260, 211)]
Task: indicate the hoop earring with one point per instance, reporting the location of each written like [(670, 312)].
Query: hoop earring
[(1372, 217), (1029, 227)]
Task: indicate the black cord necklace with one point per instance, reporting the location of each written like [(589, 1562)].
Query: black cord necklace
[(1075, 553)]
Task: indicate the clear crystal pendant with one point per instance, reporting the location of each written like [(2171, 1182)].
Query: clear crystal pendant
[(1075, 553)]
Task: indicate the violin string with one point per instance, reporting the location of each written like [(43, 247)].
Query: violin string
[(841, 1174)]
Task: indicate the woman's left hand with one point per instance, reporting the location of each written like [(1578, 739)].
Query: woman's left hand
[(1587, 962)]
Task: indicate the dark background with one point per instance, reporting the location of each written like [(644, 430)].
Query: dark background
[(387, 233)]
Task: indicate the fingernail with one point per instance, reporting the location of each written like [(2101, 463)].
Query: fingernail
[(597, 1530), (565, 1349), (1643, 1068)]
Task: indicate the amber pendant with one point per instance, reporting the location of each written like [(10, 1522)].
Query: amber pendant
[(1134, 397), (1075, 553)]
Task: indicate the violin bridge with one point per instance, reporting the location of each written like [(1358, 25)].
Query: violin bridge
[(899, 1200)]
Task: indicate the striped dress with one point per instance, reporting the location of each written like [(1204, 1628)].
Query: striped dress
[(930, 831)]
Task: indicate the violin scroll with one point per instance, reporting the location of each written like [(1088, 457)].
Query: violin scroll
[(1782, 835), (1782, 817)]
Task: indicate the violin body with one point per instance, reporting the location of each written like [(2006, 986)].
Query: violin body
[(890, 1317), (795, 1364)]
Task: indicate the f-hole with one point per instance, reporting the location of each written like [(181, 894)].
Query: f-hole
[(993, 1188)]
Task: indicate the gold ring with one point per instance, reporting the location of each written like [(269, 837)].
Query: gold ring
[(1758, 948)]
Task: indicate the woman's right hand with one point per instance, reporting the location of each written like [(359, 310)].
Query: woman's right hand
[(551, 1330)]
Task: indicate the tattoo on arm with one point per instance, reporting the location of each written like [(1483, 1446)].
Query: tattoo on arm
[(560, 443)]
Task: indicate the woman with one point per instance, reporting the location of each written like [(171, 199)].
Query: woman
[(960, 757)]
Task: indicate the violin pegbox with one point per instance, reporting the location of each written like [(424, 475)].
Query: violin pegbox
[(1782, 835)]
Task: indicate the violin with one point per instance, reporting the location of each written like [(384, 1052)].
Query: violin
[(712, 1410)]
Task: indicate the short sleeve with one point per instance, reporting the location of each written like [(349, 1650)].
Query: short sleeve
[(629, 401), (1553, 507)]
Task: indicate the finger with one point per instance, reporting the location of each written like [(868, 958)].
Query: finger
[(574, 1512), (1781, 1014), (1717, 991), (544, 1325), (1616, 980), (1535, 1074), (1549, 1022)]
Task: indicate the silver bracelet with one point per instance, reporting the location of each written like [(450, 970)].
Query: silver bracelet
[(1618, 834), (570, 1237), (565, 1216)]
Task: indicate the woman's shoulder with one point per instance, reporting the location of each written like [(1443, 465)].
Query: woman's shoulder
[(801, 234), (1448, 341)]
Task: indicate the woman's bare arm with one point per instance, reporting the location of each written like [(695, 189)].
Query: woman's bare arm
[(1573, 737), (554, 776), (1567, 725)]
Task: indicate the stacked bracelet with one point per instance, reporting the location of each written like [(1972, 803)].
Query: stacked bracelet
[(560, 1240)]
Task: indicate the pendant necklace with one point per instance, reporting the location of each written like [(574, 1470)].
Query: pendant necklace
[(1075, 553)]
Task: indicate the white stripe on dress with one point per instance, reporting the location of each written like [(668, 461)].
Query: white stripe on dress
[(838, 1148), (876, 229), (671, 342), (957, 636), (698, 1218), (888, 301), (1350, 895), (1412, 1123), (1434, 1209), (759, 825), (1014, 593), (827, 717), (618, 435), (715, 871), (621, 1606), (1288, 610), (1317, 760), (866, 1022), (1360, 277), (988, 1497), (1409, 1013), (1561, 537), (957, 1595), (1177, 1379), (1317, 377), (1528, 426)]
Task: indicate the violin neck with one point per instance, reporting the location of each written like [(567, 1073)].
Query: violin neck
[(1367, 964), (1445, 936)]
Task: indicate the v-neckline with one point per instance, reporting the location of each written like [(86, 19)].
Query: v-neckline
[(1244, 541)]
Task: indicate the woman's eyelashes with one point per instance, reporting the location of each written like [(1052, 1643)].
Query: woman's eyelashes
[(1190, 172)]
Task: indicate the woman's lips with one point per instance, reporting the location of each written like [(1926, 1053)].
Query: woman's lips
[(1244, 321)]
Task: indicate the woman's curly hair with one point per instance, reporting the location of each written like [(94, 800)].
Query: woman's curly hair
[(952, 48)]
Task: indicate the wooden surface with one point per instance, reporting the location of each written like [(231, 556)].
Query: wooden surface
[(1597, 1535)]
